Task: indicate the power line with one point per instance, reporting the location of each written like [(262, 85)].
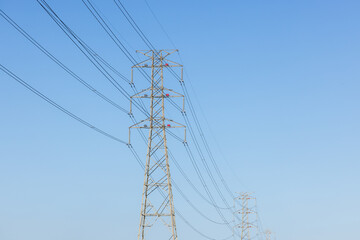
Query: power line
[(183, 173), (195, 118), (100, 19), (114, 70), (133, 24), (69, 30), (118, 45), (156, 167), (159, 22), (38, 93), (84, 48), (150, 45), (136, 155), (107, 29), (58, 62), (108, 65), (32, 89)]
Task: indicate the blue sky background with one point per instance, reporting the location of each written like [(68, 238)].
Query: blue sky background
[(277, 81)]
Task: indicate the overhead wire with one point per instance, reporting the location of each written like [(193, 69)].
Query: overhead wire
[(53, 103), (196, 119), (133, 24), (106, 27), (176, 210), (86, 51), (100, 19), (91, 126), (189, 100), (91, 51), (47, 99), (96, 13), (127, 15), (58, 62), (194, 116), (66, 28), (178, 188), (150, 45)]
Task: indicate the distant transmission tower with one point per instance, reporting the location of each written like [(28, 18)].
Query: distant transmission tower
[(247, 227), (157, 209), (268, 234)]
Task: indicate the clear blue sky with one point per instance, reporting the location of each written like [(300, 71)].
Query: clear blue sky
[(278, 82)]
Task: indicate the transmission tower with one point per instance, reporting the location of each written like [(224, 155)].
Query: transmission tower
[(245, 226), (157, 208), (268, 234)]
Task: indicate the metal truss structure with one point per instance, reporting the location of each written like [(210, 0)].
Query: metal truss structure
[(157, 206), (268, 235), (245, 205)]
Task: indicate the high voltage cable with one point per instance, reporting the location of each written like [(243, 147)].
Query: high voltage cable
[(161, 26), (91, 51), (58, 62), (112, 35), (100, 19), (169, 38), (150, 45), (177, 211), (44, 97), (91, 55), (206, 145), (191, 156), (190, 183), (107, 29), (40, 47), (133, 24), (197, 124), (138, 30), (93, 90), (205, 142), (177, 187), (56, 20), (63, 66), (86, 51), (117, 31)]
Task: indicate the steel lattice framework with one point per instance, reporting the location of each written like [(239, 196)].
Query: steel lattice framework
[(244, 205), (157, 198), (268, 234)]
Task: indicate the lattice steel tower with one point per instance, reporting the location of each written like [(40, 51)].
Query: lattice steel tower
[(157, 208), (245, 205), (268, 234)]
